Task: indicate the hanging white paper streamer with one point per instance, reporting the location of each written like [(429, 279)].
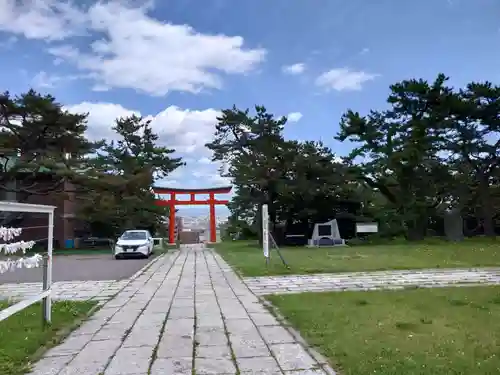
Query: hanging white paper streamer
[(8, 234)]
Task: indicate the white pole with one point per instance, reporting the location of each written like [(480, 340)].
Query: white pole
[(47, 285), (265, 231)]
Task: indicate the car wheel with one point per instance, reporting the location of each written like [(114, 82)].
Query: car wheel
[(117, 257)]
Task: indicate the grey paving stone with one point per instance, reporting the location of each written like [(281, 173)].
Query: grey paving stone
[(239, 326), (293, 357), (249, 299), (181, 313), (180, 327), (172, 366), (163, 296), (97, 351), (150, 319), (122, 321), (116, 303), (105, 313), (306, 372), (142, 337), (219, 351), (276, 335), (50, 366), (130, 361), (211, 337), (110, 333), (209, 321), (208, 310), (373, 280), (131, 312), (175, 346), (249, 347), (255, 307), (264, 319), (214, 366), (258, 365), (79, 368), (235, 314), (71, 346), (160, 303)]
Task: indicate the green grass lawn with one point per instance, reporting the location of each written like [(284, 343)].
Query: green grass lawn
[(247, 258), (23, 337), (416, 332)]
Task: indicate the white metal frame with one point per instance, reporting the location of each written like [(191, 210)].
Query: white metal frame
[(45, 295)]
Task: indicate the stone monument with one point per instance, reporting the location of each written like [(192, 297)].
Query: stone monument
[(453, 225)]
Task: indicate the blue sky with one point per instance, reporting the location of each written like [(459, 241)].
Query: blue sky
[(180, 61)]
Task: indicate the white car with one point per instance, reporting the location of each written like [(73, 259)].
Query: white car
[(134, 243)]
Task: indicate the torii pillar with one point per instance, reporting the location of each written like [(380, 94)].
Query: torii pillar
[(172, 202)]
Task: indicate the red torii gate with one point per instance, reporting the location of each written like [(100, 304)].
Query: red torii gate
[(172, 202)]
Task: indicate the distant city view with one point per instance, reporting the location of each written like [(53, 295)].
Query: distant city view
[(200, 222)]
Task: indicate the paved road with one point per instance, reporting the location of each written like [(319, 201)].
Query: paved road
[(187, 313), (79, 267)]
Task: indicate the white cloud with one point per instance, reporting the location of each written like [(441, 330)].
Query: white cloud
[(205, 160), (209, 177), (170, 183), (294, 116), (41, 19), (344, 79), (185, 130), (46, 80), (217, 180), (294, 69), (134, 50), (101, 118)]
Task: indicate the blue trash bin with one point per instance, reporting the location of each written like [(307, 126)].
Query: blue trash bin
[(69, 244)]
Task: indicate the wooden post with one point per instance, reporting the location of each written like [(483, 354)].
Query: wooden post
[(171, 224), (213, 235)]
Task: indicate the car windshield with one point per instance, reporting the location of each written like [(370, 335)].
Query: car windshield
[(134, 236)]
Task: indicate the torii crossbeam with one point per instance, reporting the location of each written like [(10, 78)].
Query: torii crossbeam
[(172, 202)]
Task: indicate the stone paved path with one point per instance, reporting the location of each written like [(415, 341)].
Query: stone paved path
[(373, 280), (66, 290), (187, 314)]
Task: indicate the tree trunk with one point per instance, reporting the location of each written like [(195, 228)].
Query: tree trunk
[(416, 228), (272, 222), (487, 213)]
